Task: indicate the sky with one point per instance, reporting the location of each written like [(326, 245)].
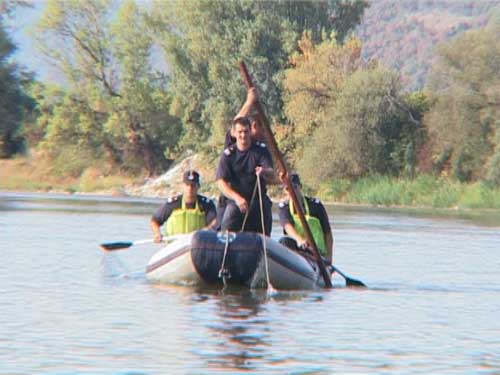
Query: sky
[(27, 55)]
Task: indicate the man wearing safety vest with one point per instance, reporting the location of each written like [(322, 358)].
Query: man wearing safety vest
[(316, 217), (186, 212)]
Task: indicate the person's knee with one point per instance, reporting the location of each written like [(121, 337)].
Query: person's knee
[(231, 218)]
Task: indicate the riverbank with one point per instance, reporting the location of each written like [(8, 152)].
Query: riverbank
[(424, 191)]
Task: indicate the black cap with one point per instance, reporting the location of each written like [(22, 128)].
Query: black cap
[(295, 179), (190, 177)]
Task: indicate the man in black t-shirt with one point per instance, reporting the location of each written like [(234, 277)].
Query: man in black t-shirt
[(256, 134), (237, 172)]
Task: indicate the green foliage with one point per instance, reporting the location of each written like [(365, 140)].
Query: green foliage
[(447, 195), (358, 121), (13, 100), (204, 41), (115, 107), (379, 190), (423, 191), (334, 189), (462, 123)]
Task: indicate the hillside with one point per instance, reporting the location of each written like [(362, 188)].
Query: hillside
[(403, 34)]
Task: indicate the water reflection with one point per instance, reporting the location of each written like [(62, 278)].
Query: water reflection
[(241, 329)]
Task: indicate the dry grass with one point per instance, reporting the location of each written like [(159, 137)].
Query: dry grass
[(36, 175)]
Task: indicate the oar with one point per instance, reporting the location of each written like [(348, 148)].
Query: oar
[(119, 245), (349, 281), (271, 141), (110, 246)]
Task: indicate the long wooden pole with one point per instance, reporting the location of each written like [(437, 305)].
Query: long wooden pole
[(284, 169)]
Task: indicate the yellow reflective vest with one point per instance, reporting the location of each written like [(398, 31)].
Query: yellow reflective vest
[(185, 220), (314, 225)]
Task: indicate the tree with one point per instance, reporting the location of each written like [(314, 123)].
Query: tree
[(464, 120), (355, 116), (205, 40), (119, 105), (14, 102)]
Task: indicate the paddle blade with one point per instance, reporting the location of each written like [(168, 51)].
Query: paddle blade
[(354, 282), (349, 281), (110, 246)]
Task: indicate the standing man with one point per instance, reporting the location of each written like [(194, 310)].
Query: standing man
[(186, 212), (239, 167), (256, 134), (316, 217)]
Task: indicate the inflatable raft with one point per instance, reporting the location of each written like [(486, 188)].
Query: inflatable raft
[(212, 258)]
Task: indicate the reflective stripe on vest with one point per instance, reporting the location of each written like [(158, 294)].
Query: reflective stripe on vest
[(185, 220), (314, 225)]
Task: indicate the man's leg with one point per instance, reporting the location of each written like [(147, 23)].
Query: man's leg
[(254, 221), (232, 219), (268, 215), (221, 207)]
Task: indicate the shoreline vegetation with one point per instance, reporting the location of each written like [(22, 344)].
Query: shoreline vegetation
[(349, 123), (424, 191)]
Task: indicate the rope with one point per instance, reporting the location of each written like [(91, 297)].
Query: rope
[(263, 236), (224, 273)]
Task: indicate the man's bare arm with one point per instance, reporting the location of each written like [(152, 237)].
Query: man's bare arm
[(249, 102), (229, 193)]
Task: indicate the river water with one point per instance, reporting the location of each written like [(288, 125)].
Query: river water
[(66, 307)]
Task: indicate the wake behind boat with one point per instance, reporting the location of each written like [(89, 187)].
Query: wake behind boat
[(215, 258)]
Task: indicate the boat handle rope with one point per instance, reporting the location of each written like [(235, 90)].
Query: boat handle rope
[(250, 205), (263, 236), (224, 273)]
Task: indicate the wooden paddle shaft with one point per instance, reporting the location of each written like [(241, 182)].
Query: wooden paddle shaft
[(262, 119)]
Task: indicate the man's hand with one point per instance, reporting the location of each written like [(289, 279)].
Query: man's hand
[(242, 204), (266, 173), (158, 238), (283, 177), (303, 244)]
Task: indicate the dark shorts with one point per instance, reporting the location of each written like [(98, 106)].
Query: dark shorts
[(232, 218)]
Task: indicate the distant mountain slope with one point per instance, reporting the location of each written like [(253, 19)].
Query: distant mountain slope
[(402, 34)]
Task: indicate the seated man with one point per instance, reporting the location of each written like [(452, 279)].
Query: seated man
[(316, 217), (186, 212), (237, 172)]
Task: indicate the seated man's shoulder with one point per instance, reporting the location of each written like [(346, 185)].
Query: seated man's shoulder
[(260, 147), (174, 198), (314, 201), (260, 144), (229, 150), (205, 200)]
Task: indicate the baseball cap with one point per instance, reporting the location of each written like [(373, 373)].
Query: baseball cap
[(190, 177)]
